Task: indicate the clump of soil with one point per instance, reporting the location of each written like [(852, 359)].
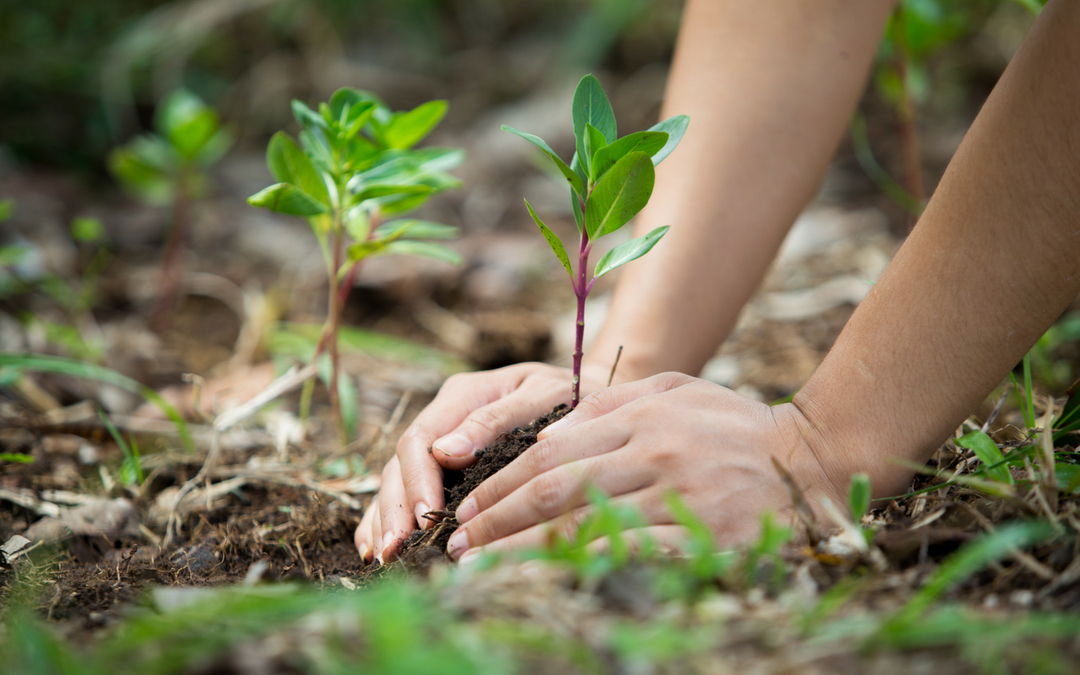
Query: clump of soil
[(424, 547)]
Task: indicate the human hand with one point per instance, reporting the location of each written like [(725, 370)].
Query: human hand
[(469, 412), (636, 442)]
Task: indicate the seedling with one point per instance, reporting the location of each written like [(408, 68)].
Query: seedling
[(169, 168), (353, 167), (611, 180)]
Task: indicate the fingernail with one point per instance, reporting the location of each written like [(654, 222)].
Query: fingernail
[(387, 540), (421, 510), (553, 428), (458, 544), (467, 511), (454, 445), (470, 557), (363, 552)]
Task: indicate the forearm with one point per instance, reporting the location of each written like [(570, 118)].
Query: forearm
[(993, 261), (769, 88)]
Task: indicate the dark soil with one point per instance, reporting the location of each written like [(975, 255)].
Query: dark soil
[(424, 547)]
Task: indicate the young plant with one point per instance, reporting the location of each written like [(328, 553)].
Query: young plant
[(169, 168), (354, 167), (611, 180)]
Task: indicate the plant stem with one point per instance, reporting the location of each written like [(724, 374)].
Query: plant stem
[(169, 281), (581, 290), (332, 329)]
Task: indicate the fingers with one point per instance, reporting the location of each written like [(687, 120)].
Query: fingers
[(365, 531), (459, 396), (395, 518), (612, 398), (589, 440)]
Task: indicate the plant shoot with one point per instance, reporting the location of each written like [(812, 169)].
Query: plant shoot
[(611, 180)]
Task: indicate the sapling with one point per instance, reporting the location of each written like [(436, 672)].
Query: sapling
[(355, 166), (169, 168), (611, 180)]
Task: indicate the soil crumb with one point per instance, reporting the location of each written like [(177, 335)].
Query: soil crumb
[(425, 547)]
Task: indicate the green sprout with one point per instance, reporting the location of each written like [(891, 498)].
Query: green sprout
[(354, 167), (169, 168), (611, 180)]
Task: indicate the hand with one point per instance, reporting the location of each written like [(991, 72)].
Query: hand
[(636, 442), (470, 411)]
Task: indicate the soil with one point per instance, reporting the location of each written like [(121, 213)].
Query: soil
[(425, 547)]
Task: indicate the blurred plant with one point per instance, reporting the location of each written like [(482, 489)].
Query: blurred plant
[(917, 32), (169, 168), (353, 168), (611, 180), (22, 273)]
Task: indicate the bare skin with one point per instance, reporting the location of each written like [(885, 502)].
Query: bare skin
[(993, 261)]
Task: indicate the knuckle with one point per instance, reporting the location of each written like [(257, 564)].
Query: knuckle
[(548, 494), (489, 419)]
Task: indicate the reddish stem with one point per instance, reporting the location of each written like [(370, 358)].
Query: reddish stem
[(581, 290)]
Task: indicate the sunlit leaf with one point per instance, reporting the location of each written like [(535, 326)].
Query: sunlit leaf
[(594, 142), (988, 453), (289, 164), (376, 191), (406, 129), (308, 118), (629, 251), (416, 229), (552, 239), (87, 230), (288, 199), (649, 142), (859, 496), (619, 195), (591, 106), (423, 249)]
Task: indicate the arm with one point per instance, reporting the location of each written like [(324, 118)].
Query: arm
[(993, 261)]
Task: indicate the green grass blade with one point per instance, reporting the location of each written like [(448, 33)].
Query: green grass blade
[(59, 365), (130, 469)]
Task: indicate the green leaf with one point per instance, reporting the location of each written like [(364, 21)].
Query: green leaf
[(859, 496), (649, 142), (988, 453), (87, 229), (575, 206), (289, 164), (131, 472), (16, 458), (629, 251), (141, 174), (438, 159), (416, 229), (406, 129), (619, 195), (576, 182), (308, 118), (594, 142), (591, 106), (971, 558), (318, 148), (376, 191), (553, 240), (289, 199), (186, 121), (7, 209), (214, 149), (423, 249), (674, 127)]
